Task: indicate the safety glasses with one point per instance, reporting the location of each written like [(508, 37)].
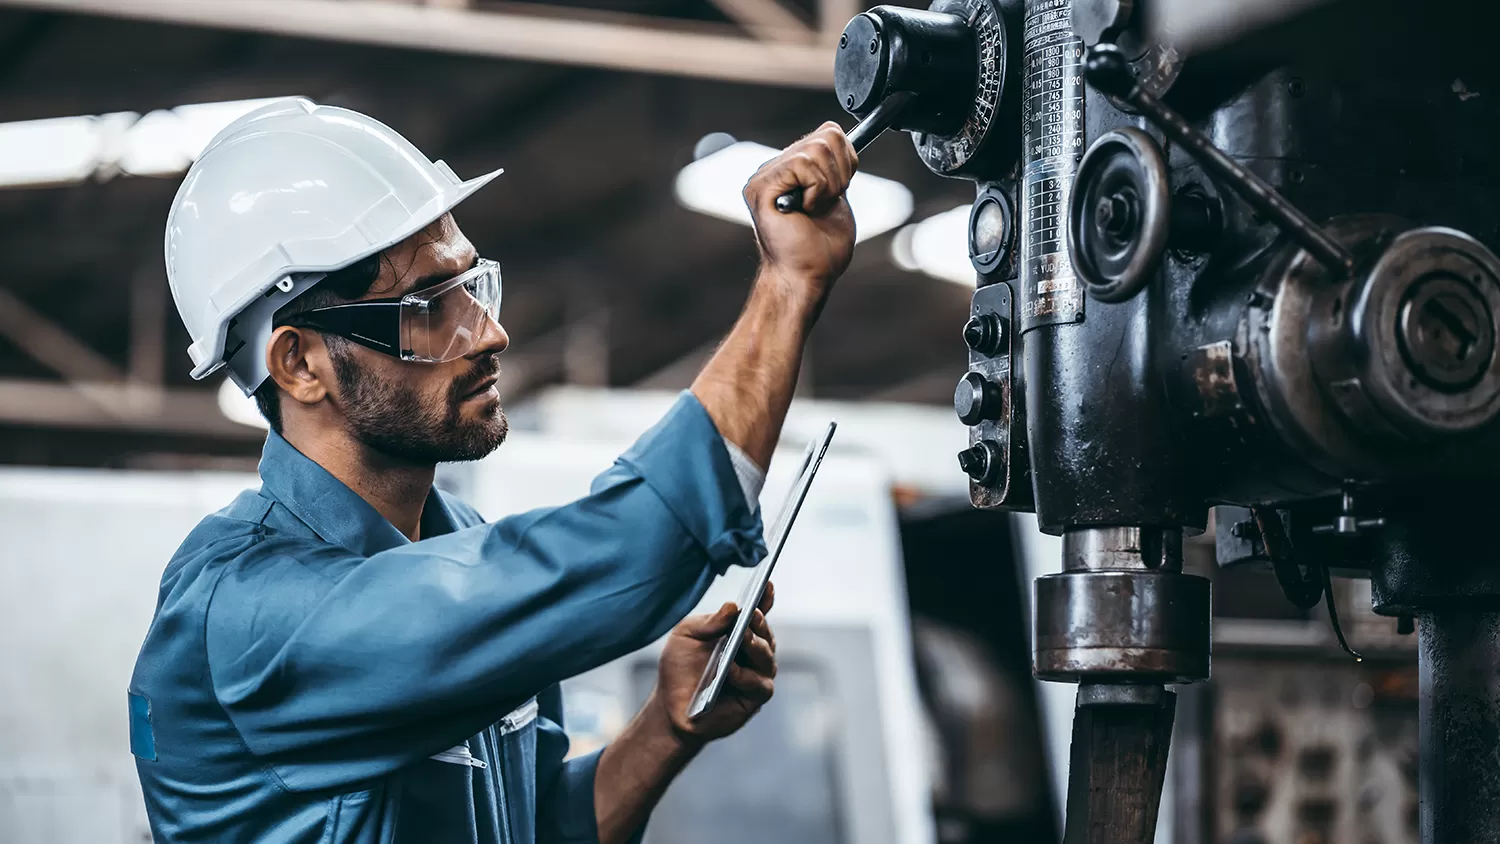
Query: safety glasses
[(437, 324)]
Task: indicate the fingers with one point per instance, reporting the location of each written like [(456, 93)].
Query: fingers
[(846, 159), (762, 628), (768, 599), (821, 164), (747, 683), (710, 626), (758, 653)]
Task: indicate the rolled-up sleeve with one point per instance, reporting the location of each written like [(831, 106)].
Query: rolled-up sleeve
[(334, 667)]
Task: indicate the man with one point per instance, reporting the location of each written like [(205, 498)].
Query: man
[(347, 654)]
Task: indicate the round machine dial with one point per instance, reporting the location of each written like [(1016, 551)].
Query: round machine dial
[(957, 60), (968, 151)]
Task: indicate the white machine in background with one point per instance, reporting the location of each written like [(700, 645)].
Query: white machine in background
[(82, 555)]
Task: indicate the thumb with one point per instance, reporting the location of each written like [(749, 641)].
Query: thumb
[(711, 625)]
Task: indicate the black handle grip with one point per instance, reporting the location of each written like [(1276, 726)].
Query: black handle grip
[(860, 137)]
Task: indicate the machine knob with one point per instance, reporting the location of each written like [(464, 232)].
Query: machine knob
[(976, 399), (1122, 218), (930, 54), (985, 334), (981, 461)]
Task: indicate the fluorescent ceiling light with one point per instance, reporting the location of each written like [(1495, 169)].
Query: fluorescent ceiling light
[(69, 150), (167, 142), (238, 407), (937, 246), (712, 185), (60, 151)]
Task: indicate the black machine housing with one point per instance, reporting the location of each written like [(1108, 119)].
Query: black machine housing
[(1261, 278)]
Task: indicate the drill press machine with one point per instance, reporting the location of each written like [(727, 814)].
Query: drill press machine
[(1258, 278)]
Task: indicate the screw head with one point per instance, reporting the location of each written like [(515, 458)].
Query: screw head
[(1114, 215), (975, 461), (875, 45), (843, 41), (849, 101), (982, 461), (985, 333)]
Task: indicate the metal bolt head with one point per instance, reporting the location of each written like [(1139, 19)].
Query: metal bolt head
[(1114, 215), (849, 101), (874, 45), (973, 460), (985, 334), (843, 40), (981, 461)]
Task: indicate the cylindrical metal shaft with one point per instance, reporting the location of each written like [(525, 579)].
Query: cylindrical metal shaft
[(1459, 716)]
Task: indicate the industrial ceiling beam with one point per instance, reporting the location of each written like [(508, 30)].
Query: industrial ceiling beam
[(116, 407), (50, 344), (767, 19), (539, 36), (834, 15)]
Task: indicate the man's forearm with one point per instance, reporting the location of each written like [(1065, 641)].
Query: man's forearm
[(747, 385), (635, 770)]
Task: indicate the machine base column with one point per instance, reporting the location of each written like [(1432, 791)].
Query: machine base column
[(1459, 716)]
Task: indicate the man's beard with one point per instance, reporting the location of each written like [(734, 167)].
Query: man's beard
[(391, 418)]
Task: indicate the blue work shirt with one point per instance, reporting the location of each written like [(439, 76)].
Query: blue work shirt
[(312, 675)]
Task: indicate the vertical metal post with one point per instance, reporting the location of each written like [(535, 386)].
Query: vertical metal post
[(1459, 714)]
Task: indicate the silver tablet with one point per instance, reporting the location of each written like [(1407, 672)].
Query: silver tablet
[(728, 646)]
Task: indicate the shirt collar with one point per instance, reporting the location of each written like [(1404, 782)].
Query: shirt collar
[(334, 511)]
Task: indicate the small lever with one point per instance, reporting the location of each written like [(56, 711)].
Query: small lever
[(1109, 71), (860, 136)]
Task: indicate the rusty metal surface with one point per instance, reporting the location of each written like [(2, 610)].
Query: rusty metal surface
[(1146, 624), (1213, 373)]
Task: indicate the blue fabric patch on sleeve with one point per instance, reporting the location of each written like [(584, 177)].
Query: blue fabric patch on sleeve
[(142, 739)]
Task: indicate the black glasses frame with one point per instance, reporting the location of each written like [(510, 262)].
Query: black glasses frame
[(376, 323)]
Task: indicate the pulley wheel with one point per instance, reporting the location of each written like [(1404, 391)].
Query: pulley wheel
[(1119, 214)]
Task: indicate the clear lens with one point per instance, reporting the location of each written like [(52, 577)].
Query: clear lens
[(446, 322)]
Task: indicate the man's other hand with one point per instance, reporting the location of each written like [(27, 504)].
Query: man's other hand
[(751, 679), (810, 248)]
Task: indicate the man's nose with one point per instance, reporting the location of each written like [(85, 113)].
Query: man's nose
[(492, 341)]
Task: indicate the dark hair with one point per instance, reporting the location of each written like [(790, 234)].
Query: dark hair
[(343, 285)]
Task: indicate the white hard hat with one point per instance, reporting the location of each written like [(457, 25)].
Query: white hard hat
[(279, 198)]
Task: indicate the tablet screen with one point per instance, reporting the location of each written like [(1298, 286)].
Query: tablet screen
[(727, 647)]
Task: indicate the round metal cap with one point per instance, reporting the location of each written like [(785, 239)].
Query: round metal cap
[(1122, 624)]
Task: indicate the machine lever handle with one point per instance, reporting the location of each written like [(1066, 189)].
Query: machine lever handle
[(865, 131), (1109, 71)]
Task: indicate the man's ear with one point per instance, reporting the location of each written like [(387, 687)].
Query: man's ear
[(299, 364)]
